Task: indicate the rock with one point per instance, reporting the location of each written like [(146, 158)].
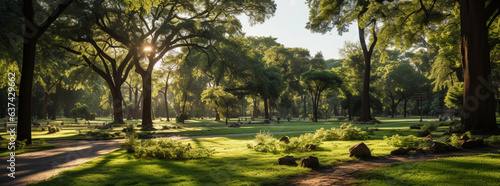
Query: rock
[(285, 139), (473, 143), (287, 160), (360, 150), (464, 137), (400, 152), (311, 147), (423, 133), (310, 162), (415, 127), (438, 147)]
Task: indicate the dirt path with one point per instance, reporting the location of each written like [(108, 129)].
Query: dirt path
[(345, 173), (34, 167)]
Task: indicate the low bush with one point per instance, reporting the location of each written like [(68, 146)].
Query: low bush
[(430, 127), (166, 127), (53, 129), (345, 132), (407, 141), (288, 117), (180, 118), (494, 140), (165, 149), (455, 141), (265, 142)]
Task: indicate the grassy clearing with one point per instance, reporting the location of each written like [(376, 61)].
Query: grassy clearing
[(232, 164), (468, 170)]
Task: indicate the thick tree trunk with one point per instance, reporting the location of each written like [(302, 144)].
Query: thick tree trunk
[(266, 109), (479, 104), (367, 53), (146, 102), (25, 88), (315, 107), (404, 110), (45, 104)]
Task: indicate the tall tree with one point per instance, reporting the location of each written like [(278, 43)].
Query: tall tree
[(317, 81), (325, 14), (33, 31)]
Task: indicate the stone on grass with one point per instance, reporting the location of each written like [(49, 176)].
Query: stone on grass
[(423, 133), (287, 160), (473, 143), (400, 152), (360, 150), (285, 139), (310, 162)]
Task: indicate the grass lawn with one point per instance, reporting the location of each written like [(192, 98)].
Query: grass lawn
[(467, 170), (36, 146), (232, 164)]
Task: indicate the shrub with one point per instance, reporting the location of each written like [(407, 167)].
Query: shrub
[(311, 117), (288, 117), (300, 117), (430, 127), (264, 142), (166, 127), (494, 140), (455, 141), (129, 128), (404, 141), (130, 142), (180, 118), (300, 143), (53, 129), (345, 132), (169, 149)]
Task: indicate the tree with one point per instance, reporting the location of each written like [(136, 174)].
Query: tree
[(224, 102), (476, 20), (32, 31), (316, 81), (325, 14)]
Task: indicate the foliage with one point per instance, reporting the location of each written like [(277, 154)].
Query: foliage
[(130, 142), (180, 118), (430, 127), (53, 129), (455, 141), (288, 117), (265, 142), (494, 140), (404, 141), (169, 149), (317, 81), (455, 96), (345, 132), (80, 111), (221, 100)]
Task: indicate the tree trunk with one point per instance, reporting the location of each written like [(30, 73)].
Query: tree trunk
[(404, 110), (146, 102), (266, 109), (255, 108), (25, 88), (45, 104), (365, 95), (305, 105), (166, 103), (479, 104)]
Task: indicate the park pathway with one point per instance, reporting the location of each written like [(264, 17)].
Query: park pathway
[(33, 167)]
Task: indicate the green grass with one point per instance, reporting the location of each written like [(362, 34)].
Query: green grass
[(468, 170), (232, 164), (36, 146)]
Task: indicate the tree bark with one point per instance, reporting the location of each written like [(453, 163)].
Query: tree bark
[(117, 97), (479, 104), (367, 53), (45, 104), (404, 110), (266, 109), (146, 102)]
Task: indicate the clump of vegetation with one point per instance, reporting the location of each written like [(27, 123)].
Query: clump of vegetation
[(180, 118), (345, 132), (455, 141), (164, 149), (129, 128), (494, 140), (430, 127), (406, 141), (53, 129), (265, 142), (288, 117), (165, 127)]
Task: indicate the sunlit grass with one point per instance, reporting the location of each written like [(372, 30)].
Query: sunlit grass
[(469, 170)]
